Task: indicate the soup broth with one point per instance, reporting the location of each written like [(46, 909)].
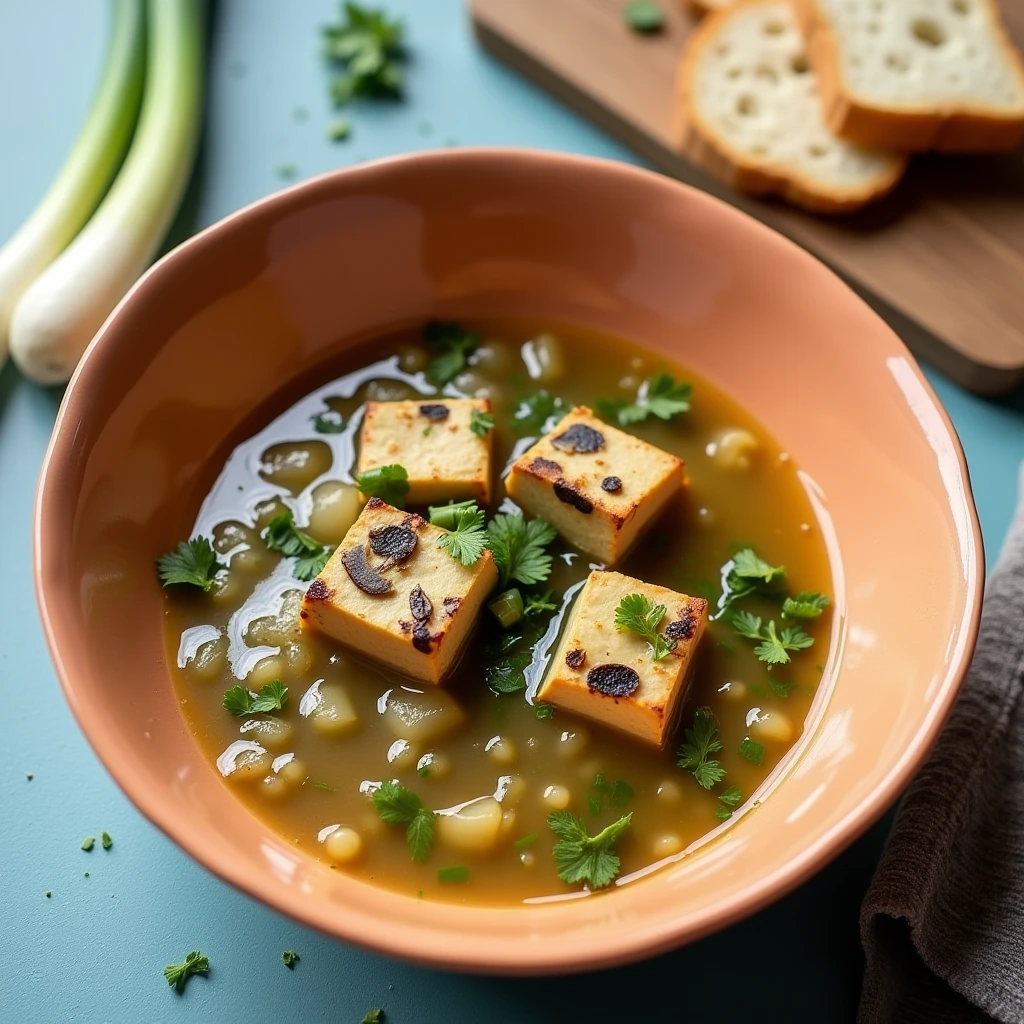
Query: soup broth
[(309, 768)]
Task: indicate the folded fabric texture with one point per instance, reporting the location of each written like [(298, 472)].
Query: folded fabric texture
[(943, 921)]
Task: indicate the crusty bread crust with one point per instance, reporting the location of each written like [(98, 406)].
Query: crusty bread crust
[(702, 7), (706, 148), (958, 128)]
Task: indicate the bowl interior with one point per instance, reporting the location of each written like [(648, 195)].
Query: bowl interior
[(276, 290)]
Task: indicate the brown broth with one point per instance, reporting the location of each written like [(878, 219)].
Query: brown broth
[(764, 506)]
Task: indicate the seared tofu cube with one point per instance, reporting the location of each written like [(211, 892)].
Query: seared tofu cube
[(611, 676), (390, 593), (598, 486), (431, 438)]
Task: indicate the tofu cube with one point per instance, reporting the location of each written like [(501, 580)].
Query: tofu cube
[(609, 676), (598, 486), (431, 438), (390, 593)]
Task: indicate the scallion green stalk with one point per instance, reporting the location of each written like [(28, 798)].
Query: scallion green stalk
[(83, 180), (507, 607), (58, 315)]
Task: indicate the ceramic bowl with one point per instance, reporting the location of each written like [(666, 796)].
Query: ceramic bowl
[(275, 290)]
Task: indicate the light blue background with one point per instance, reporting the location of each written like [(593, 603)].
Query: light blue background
[(96, 949)]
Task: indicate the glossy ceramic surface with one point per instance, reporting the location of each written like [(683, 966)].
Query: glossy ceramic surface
[(268, 294)]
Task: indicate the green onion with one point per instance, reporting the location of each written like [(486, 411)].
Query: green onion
[(67, 304), (83, 180), (447, 516), (508, 607), (456, 874)]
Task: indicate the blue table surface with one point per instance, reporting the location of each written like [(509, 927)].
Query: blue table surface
[(95, 950)]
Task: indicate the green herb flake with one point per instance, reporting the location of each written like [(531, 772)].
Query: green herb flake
[(192, 563), (622, 793), (290, 958), (389, 483), (518, 546), (727, 800), (376, 1015), (595, 804), (543, 711), (88, 843), (241, 701), (808, 604), (322, 786), (397, 805), (466, 538), (178, 974), (781, 687), (702, 740), (48, 894), (427, 429), (774, 647), (460, 873), (29, 776), (506, 674), (481, 423), (105, 841), (661, 396), (365, 49), (526, 841), (287, 171), (310, 555), (644, 16), (539, 413), (580, 857), (639, 615), (339, 130), (452, 345), (539, 604), (329, 422), (752, 751)]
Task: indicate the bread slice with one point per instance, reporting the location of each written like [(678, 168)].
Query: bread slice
[(748, 111), (916, 74), (706, 6)]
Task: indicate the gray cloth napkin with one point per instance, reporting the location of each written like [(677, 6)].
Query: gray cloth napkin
[(943, 921)]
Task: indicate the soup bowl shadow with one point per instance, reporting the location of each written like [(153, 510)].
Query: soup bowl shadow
[(275, 291)]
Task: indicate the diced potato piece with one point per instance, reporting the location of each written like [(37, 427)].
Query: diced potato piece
[(329, 709), (431, 438), (273, 733), (473, 827), (421, 717), (599, 487), (276, 630), (244, 761), (412, 609), (610, 676), (335, 508)]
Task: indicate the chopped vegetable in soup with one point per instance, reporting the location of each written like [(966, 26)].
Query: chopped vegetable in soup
[(502, 613)]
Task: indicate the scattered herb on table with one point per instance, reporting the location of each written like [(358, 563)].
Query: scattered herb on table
[(518, 546), (397, 805), (374, 1016), (339, 130), (310, 555), (193, 563), (29, 776), (452, 346), (467, 536), (700, 742), (365, 48), (644, 16), (389, 483), (808, 604), (290, 958), (773, 647), (178, 974), (727, 800), (459, 873), (538, 413), (580, 857), (661, 396), (241, 701), (287, 171), (752, 751), (88, 843), (637, 614), (481, 423), (105, 841)]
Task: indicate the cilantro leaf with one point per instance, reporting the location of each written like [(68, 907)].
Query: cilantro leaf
[(580, 857), (781, 687), (538, 604), (518, 548), (290, 958), (466, 538), (192, 562), (507, 673), (702, 740), (447, 516), (283, 535), (453, 345), (748, 565), (661, 396), (727, 800), (774, 647), (808, 604), (397, 805), (638, 614), (481, 423), (389, 483), (241, 701), (538, 413), (366, 50), (178, 974), (310, 566), (752, 751), (543, 711)]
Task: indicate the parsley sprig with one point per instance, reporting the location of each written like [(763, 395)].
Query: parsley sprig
[(538, 604), (178, 974), (773, 646), (481, 423), (397, 805), (701, 741), (389, 483), (466, 537), (661, 395), (728, 799), (453, 346), (808, 604), (518, 546), (640, 615), (192, 562), (366, 47), (580, 857), (241, 701), (310, 555)]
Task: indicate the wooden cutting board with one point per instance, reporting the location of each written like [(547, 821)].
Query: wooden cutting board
[(946, 249)]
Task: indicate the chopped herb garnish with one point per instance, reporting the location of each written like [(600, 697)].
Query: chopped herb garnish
[(507, 607), (644, 16), (701, 741), (774, 647), (178, 974), (448, 516), (538, 604), (748, 565), (543, 711), (366, 49), (752, 751), (661, 395), (639, 615), (192, 562), (49, 893), (481, 422), (453, 346), (526, 841), (727, 800), (339, 130), (322, 785), (376, 1015), (466, 538), (595, 804), (241, 701), (427, 429), (105, 841), (88, 843), (329, 422), (538, 413), (506, 674), (580, 857), (287, 171), (397, 805), (459, 873), (808, 604), (622, 793), (389, 483), (781, 687), (310, 555), (518, 546), (423, 771), (290, 958)]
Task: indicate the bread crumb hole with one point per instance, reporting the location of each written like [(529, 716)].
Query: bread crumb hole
[(873, 28), (799, 64), (746, 105), (928, 31), (817, 149), (722, 49), (774, 28), (896, 62), (759, 149), (766, 73), (734, 72), (960, 7)]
